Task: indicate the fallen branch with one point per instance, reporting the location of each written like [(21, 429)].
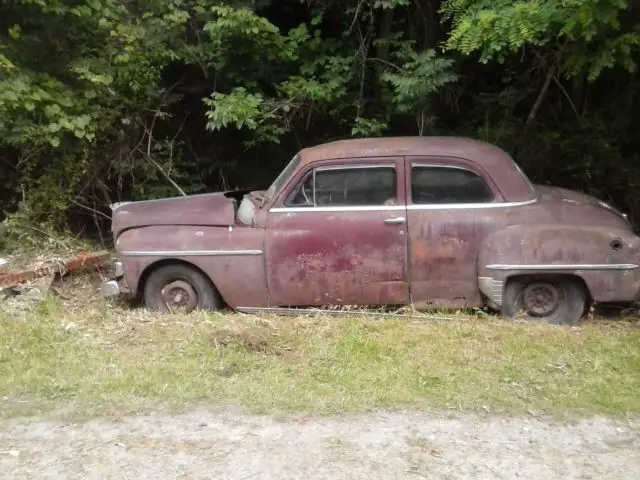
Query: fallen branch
[(165, 174), (84, 261)]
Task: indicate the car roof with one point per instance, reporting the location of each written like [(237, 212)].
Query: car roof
[(475, 150), (511, 181)]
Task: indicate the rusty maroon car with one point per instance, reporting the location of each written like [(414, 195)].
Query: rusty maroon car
[(417, 221)]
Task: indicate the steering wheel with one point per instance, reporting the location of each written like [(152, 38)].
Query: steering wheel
[(306, 197)]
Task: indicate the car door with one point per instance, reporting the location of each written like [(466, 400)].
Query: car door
[(337, 236), (452, 205)]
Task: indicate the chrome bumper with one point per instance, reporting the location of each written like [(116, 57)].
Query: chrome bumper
[(492, 289), (111, 288)]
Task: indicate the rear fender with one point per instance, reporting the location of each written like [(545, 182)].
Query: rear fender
[(605, 259)]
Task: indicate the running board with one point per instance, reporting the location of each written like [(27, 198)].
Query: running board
[(283, 311)]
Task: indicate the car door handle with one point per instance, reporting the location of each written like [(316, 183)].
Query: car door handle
[(395, 220)]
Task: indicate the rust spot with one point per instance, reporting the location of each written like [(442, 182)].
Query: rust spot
[(420, 251), (447, 250)]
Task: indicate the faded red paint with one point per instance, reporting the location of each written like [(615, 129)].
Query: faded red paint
[(341, 257)]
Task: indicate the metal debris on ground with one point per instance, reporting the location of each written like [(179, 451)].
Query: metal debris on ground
[(84, 261), (23, 288)]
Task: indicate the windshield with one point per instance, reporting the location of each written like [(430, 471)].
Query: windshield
[(284, 176)]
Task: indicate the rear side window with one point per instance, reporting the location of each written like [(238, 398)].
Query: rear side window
[(346, 187), (446, 185)]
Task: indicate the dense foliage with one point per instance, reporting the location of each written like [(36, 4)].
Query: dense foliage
[(103, 100)]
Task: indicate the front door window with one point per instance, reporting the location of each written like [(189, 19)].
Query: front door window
[(344, 187)]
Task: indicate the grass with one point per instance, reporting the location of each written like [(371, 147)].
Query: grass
[(100, 359)]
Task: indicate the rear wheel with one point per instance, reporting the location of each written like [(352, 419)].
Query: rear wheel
[(557, 300), (179, 288)]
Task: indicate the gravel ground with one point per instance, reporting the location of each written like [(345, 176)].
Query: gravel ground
[(216, 444)]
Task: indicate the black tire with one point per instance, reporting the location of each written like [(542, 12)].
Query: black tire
[(569, 300), (184, 276)]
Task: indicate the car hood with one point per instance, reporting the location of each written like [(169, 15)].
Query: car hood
[(210, 209)]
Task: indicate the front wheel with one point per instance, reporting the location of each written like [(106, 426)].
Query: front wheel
[(556, 300), (179, 288)]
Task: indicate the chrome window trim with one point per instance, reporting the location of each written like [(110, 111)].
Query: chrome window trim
[(439, 165), (525, 178), (359, 166), (372, 208), (190, 253), (555, 266)]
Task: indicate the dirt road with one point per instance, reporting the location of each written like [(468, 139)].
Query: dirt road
[(216, 444)]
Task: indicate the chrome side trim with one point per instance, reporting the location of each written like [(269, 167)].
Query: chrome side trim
[(492, 289), (191, 253), (397, 208), (469, 206), (554, 266)]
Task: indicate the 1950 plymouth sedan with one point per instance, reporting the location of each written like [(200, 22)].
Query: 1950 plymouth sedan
[(420, 221)]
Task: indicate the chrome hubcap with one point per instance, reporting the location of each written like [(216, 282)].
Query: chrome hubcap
[(541, 299), (179, 295)]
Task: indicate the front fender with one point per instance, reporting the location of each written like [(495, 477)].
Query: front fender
[(605, 259), (232, 257)]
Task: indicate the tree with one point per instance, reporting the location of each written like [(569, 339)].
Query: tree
[(104, 100)]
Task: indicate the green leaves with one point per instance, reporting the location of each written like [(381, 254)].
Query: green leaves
[(500, 28), (419, 79), (239, 108), (239, 34), (368, 127), (42, 111), (390, 3), (91, 89)]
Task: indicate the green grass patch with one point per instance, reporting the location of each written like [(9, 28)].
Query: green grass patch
[(102, 359)]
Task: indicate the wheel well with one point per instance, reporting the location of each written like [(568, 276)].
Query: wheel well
[(172, 261), (566, 276)]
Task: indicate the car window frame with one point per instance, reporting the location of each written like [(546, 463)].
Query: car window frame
[(389, 163), (413, 165)]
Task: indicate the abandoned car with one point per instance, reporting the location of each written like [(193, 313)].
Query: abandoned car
[(416, 221)]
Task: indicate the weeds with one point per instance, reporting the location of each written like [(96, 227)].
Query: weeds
[(102, 358)]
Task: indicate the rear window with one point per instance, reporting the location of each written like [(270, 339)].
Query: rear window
[(441, 185)]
